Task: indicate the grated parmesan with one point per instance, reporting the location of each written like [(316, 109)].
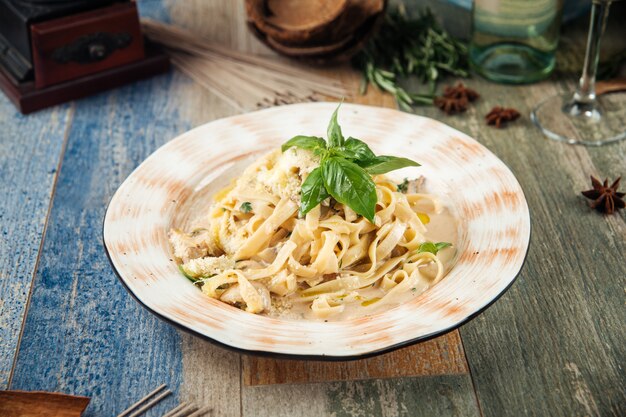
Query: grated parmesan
[(204, 267)]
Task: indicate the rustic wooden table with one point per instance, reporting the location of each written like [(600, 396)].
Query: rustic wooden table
[(553, 345)]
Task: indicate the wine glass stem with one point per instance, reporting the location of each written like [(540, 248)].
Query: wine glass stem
[(586, 91)]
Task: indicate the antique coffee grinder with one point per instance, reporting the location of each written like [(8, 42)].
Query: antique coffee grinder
[(52, 51)]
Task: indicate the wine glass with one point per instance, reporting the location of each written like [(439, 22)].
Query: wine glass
[(582, 118)]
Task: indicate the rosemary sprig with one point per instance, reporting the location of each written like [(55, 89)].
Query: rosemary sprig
[(410, 47)]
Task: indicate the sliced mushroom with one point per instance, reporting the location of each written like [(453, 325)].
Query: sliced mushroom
[(416, 185)]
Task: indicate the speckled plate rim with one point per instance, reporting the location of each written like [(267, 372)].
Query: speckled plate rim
[(341, 357)]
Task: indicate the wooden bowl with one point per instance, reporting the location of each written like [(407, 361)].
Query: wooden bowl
[(293, 21), (335, 33), (338, 51), (340, 42), (355, 16), (304, 51), (363, 35)]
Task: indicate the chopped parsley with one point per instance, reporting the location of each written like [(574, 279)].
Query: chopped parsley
[(246, 207), (403, 186)]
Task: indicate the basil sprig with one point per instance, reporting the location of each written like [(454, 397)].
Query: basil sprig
[(346, 167)]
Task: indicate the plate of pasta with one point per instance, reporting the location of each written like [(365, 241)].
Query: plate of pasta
[(318, 231)]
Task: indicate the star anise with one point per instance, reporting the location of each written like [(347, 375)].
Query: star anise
[(460, 91), (455, 98), (451, 105), (500, 115), (605, 198)]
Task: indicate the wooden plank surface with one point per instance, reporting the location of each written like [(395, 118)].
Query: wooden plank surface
[(440, 396), (554, 343), (84, 334), (30, 150), (562, 325), (441, 356), (90, 336)]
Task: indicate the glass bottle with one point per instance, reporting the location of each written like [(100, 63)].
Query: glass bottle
[(514, 41)]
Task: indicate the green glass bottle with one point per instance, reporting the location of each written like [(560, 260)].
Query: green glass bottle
[(514, 41)]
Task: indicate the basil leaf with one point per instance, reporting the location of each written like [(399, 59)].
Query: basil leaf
[(359, 149), (384, 163), (442, 245), (304, 142), (345, 153), (349, 184), (427, 247), (433, 247), (335, 138), (313, 191)]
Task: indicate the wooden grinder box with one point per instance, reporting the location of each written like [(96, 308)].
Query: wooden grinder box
[(73, 55)]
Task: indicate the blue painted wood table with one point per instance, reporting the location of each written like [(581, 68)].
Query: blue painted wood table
[(554, 345)]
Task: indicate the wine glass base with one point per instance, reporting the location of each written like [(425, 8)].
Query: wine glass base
[(591, 124)]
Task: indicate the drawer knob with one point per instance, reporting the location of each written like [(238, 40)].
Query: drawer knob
[(97, 51), (91, 48)]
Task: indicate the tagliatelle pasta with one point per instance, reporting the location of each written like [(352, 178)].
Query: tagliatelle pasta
[(254, 251)]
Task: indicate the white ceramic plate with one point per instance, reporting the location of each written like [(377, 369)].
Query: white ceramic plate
[(173, 185)]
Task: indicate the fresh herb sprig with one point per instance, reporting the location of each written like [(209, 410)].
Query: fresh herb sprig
[(346, 167), (405, 47)]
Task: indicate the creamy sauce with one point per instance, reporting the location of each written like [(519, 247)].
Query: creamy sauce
[(441, 228)]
